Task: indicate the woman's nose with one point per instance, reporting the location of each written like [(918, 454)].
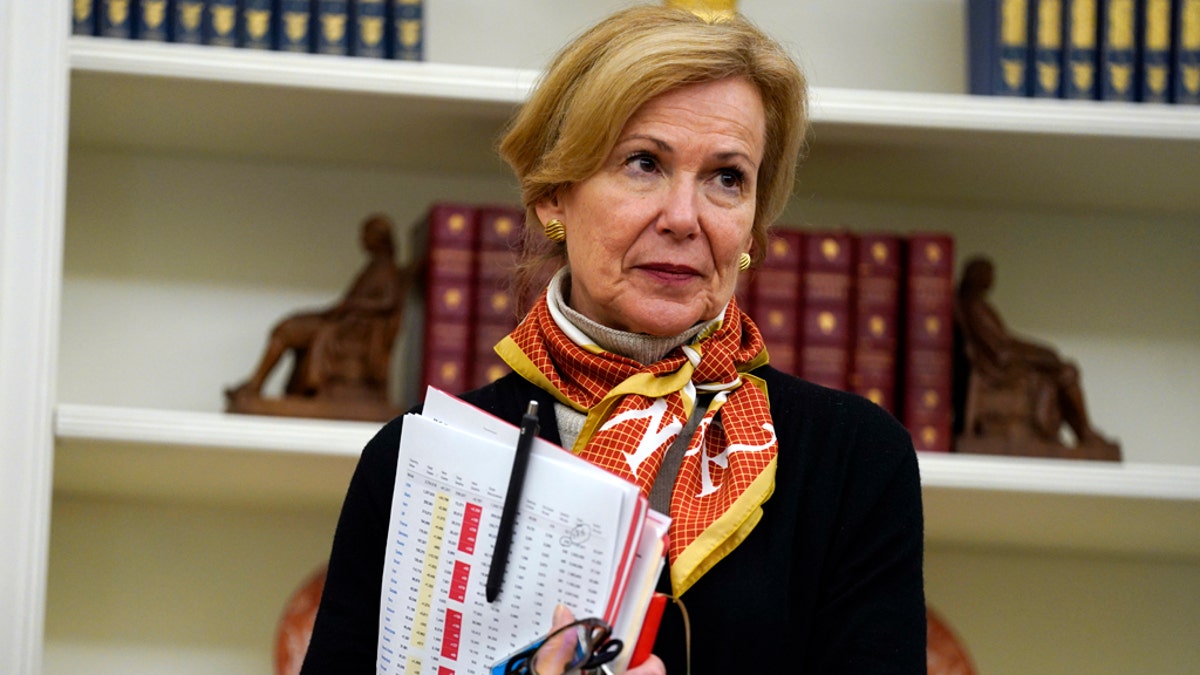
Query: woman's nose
[(681, 210)]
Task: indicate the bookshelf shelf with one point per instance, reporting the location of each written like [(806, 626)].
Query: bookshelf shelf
[(221, 459), (1126, 509), (170, 98), (210, 459)]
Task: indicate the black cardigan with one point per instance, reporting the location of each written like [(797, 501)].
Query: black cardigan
[(829, 581)]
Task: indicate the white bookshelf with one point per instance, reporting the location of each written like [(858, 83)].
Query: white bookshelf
[(210, 191), (1130, 509)]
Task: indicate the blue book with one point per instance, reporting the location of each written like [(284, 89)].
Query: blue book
[(187, 21), (257, 29), (1187, 53), (370, 28), (115, 18), (1081, 28), (153, 20), (333, 27), (1046, 80), (1118, 50), (296, 25), (999, 49), (83, 17), (408, 30), (221, 23), (1154, 82)]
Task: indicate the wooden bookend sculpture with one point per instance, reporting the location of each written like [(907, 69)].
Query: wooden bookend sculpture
[(342, 353), (1018, 393)]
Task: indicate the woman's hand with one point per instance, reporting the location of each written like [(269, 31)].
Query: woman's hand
[(556, 653), (651, 666)]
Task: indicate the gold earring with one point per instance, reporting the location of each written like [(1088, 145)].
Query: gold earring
[(555, 230), (744, 262)]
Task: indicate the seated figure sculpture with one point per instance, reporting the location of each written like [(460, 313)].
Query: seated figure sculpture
[(342, 354), (1019, 393)]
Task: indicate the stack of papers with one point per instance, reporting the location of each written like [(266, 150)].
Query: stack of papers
[(582, 537)]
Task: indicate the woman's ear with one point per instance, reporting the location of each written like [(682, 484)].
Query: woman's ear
[(549, 208)]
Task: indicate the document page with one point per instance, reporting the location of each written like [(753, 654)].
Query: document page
[(569, 544)]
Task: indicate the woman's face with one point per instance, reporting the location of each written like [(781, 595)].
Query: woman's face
[(653, 237)]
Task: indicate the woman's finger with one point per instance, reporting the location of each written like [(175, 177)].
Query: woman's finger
[(651, 666), (553, 656)]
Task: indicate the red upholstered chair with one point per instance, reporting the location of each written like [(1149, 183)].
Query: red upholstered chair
[(296, 624)]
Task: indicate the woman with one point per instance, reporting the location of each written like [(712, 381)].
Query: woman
[(655, 153)]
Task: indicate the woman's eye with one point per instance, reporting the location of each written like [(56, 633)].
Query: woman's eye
[(730, 178), (642, 162)]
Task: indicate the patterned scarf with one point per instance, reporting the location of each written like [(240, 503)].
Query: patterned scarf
[(634, 412)]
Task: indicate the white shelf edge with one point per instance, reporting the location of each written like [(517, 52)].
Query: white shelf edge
[(212, 430), (1061, 477), (1005, 114), (311, 71), (330, 437), (829, 106)]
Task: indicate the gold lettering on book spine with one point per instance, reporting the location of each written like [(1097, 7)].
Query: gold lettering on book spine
[(1158, 39), (826, 322), (1189, 33), (1049, 37), (333, 27), (1120, 24), (933, 253), (1050, 23), (1013, 30), (118, 11), (1082, 74), (1191, 24), (1122, 76), (190, 14), (1083, 36), (154, 12), (370, 27), (1158, 24), (410, 32), (295, 25), (830, 249), (83, 10), (879, 252), (499, 302), (1083, 24), (257, 22), (370, 30), (224, 17), (1012, 25)]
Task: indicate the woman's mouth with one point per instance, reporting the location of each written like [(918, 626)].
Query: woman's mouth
[(669, 273)]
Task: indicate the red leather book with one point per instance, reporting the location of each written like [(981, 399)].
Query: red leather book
[(774, 296), (449, 233), (827, 332), (929, 341), (500, 228), (876, 318)]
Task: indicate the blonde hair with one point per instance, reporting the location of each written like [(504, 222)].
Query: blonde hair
[(566, 129)]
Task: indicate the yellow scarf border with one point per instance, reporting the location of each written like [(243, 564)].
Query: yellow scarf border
[(724, 534)]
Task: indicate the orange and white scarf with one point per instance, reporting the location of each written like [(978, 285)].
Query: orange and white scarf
[(634, 412)]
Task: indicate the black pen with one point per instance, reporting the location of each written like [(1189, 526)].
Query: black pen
[(516, 479)]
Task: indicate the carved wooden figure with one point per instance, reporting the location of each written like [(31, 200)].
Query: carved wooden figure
[(1018, 393), (342, 353)]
